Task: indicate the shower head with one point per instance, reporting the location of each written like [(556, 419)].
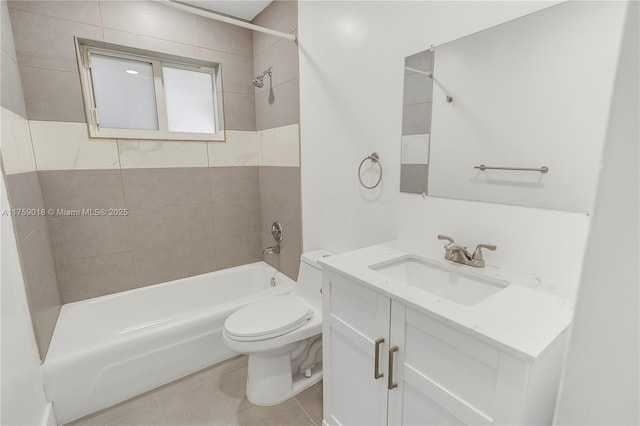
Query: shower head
[(258, 81)]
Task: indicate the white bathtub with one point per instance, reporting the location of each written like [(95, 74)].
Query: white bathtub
[(111, 348)]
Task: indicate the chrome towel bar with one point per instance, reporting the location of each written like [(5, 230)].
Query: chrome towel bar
[(543, 169)]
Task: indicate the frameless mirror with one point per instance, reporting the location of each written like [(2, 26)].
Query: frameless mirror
[(416, 122), (529, 97)]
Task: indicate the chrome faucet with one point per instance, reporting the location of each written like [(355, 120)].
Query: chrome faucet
[(459, 254), (272, 249)]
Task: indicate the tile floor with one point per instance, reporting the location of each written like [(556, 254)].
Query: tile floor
[(214, 396)]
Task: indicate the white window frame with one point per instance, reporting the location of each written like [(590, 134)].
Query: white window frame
[(163, 133)]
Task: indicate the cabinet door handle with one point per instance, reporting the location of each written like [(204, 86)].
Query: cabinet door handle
[(376, 365), (392, 384)]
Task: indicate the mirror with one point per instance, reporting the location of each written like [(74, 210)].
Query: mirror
[(416, 122), (532, 93)]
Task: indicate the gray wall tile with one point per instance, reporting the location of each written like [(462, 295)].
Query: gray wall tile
[(82, 189), (234, 250), (288, 216), (288, 261), (152, 188), (12, 97), (280, 201), (224, 37), (414, 178), (279, 15), (416, 119), (267, 241), (156, 265), (46, 42), (41, 285), (44, 36), (87, 12), (420, 61), (52, 95), (283, 110), (418, 88), (95, 276), (234, 183), (170, 225), (283, 57), (88, 236), (6, 36), (239, 111), (150, 43), (150, 19), (280, 185), (24, 192), (236, 217), (237, 71)]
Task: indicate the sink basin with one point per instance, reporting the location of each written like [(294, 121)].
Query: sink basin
[(449, 281)]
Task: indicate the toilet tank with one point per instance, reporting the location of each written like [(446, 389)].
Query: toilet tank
[(310, 279)]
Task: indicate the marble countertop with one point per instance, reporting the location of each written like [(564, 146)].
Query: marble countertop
[(520, 318)]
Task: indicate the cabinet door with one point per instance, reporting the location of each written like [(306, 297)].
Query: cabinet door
[(444, 376), (354, 319)]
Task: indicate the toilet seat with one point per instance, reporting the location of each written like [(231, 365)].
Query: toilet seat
[(268, 318)]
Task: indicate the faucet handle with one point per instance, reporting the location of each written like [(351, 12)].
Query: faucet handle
[(444, 237), (477, 253)]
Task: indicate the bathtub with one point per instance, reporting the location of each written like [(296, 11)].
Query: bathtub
[(108, 349)]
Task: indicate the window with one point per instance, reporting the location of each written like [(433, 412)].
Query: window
[(137, 96)]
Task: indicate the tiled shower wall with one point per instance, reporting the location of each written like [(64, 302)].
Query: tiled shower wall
[(23, 189), (186, 216), (43, 32), (194, 207), (277, 118)]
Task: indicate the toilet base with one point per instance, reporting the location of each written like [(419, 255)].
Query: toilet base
[(280, 392), (276, 376)]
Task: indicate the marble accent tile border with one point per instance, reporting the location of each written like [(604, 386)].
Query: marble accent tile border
[(60, 145), (17, 152)]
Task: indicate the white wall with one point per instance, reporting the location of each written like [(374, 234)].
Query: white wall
[(22, 397), (600, 384), (23, 401), (351, 76)]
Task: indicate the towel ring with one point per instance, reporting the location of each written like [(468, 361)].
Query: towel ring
[(374, 158)]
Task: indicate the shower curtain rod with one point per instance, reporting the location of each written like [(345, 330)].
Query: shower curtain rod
[(228, 20)]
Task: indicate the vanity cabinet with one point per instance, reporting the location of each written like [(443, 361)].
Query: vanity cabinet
[(386, 362)]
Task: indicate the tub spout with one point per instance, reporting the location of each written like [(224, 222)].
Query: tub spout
[(272, 250)]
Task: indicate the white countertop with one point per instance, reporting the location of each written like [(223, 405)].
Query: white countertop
[(520, 318)]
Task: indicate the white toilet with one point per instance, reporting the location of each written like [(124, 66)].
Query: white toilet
[(282, 336)]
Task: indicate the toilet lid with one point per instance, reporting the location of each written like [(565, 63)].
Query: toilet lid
[(271, 317)]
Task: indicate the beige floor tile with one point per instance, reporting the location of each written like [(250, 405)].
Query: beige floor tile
[(311, 401), (288, 413), (131, 411), (214, 396)]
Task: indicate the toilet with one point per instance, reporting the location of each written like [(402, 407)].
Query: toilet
[(282, 335)]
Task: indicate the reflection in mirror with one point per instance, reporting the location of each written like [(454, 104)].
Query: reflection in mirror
[(531, 93), (416, 122)]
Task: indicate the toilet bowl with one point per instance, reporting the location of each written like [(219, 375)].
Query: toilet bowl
[(282, 336)]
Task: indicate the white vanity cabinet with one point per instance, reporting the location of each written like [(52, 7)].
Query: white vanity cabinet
[(428, 372)]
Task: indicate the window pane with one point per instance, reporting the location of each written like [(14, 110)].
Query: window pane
[(189, 96), (124, 93)]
